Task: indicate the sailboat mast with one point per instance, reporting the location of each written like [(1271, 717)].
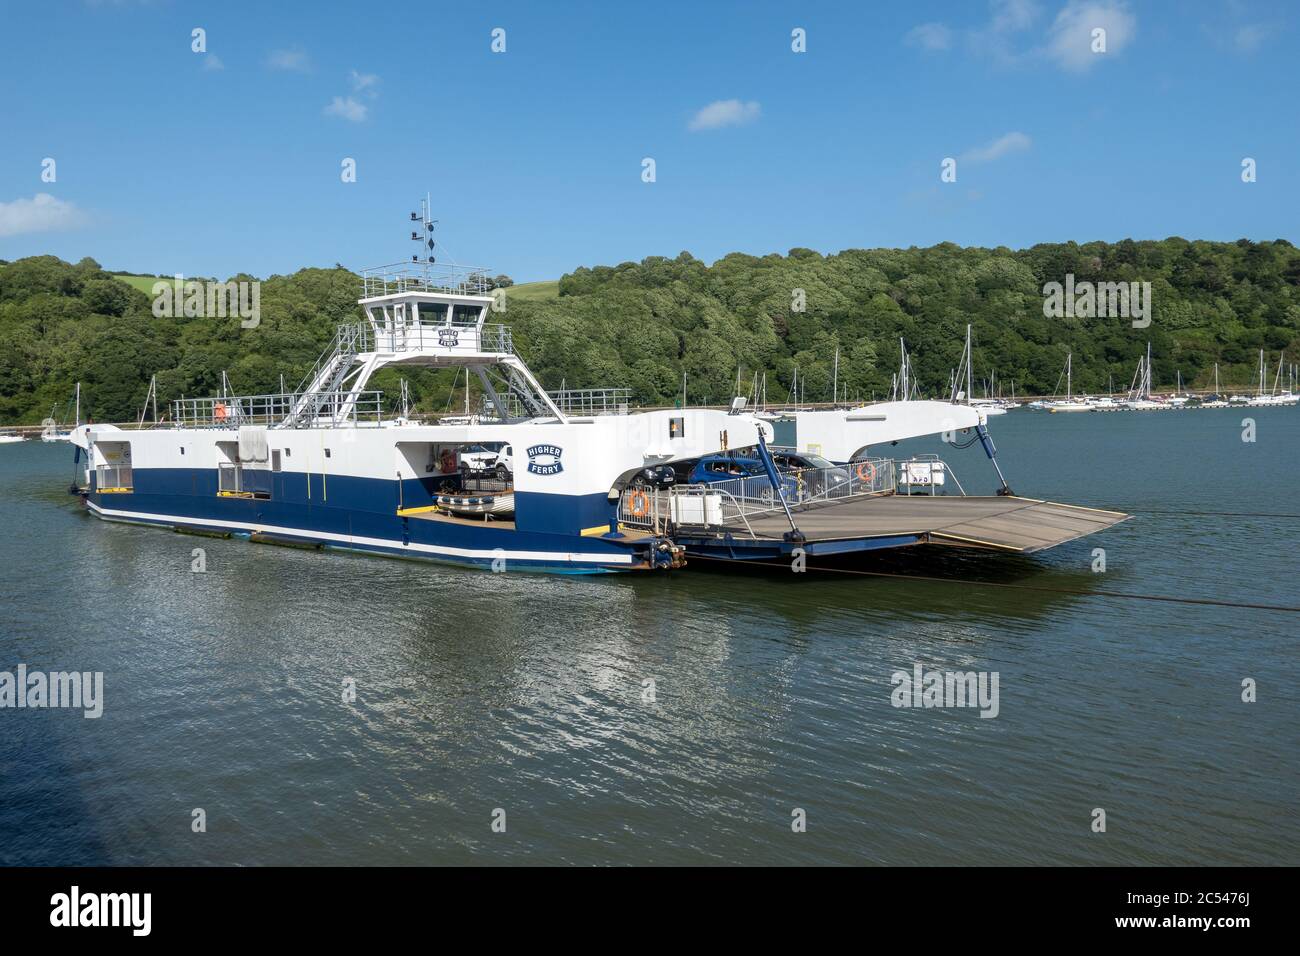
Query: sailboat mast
[(969, 363), (835, 381)]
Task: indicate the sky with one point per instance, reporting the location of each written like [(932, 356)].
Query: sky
[(231, 159)]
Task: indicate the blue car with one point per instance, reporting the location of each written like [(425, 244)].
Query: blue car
[(748, 473)]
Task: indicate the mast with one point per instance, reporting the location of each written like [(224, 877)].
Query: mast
[(150, 398), (970, 361), (835, 381), (904, 373)]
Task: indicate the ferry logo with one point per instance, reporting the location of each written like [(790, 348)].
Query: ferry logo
[(545, 459), (448, 338)]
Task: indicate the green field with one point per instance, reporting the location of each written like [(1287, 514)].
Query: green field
[(143, 283), (534, 291)]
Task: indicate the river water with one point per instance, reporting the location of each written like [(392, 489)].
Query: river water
[(522, 699)]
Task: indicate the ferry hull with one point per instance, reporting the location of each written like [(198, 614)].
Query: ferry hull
[(467, 543)]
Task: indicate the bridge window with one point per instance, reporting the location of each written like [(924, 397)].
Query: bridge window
[(433, 313)]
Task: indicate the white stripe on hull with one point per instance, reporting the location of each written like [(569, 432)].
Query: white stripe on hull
[(481, 553)]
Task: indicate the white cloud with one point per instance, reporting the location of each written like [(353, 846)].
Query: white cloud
[(1012, 15), (1007, 38), (212, 62), (41, 213), (929, 36), (997, 37), (1249, 38), (1070, 40), (363, 82), (348, 107), (722, 113), (294, 60), (1002, 146)]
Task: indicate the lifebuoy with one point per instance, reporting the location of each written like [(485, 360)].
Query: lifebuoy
[(866, 471), (640, 504), (219, 412)]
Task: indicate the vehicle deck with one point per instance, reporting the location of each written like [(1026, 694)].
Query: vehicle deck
[(1021, 525)]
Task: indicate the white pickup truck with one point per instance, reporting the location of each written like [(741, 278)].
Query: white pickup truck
[(478, 459)]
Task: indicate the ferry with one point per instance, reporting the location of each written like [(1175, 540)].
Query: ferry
[(576, 485), (323, 467)]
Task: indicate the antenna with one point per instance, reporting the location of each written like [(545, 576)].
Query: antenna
[(424, 233)]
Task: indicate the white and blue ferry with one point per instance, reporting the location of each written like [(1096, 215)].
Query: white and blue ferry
[(323, 466)]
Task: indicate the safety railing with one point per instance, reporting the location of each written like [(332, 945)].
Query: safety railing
[(451, 336), (870, 476), (237, 479), (113, 478), (413, 277), (644, 508), (333, 410), (754, 494), (734, 502), (229, 479), (593, 401), (925, 474)]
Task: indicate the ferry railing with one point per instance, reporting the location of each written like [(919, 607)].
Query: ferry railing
[(229, 478), (924, 471), (451, 336), (113, 478), (658, 509), (727, 503), (646, 508), (593, 401), (804, 486), (575, 402), (401, 277), (868, 476), (332, 410)]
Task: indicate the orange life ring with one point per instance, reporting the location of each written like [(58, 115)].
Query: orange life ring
[(219, 412), (640, 504), (866, 471)]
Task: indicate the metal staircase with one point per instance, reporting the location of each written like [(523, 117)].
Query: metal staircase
[(323, 386)]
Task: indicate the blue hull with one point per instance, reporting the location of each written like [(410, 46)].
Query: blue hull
[(354, 514)]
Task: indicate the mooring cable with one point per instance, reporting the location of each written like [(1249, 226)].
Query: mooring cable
[(1226, 514), (1022, 587)]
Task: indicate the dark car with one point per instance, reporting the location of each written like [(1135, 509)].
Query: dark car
[(654, 476), (819, 474), (750, 477)]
